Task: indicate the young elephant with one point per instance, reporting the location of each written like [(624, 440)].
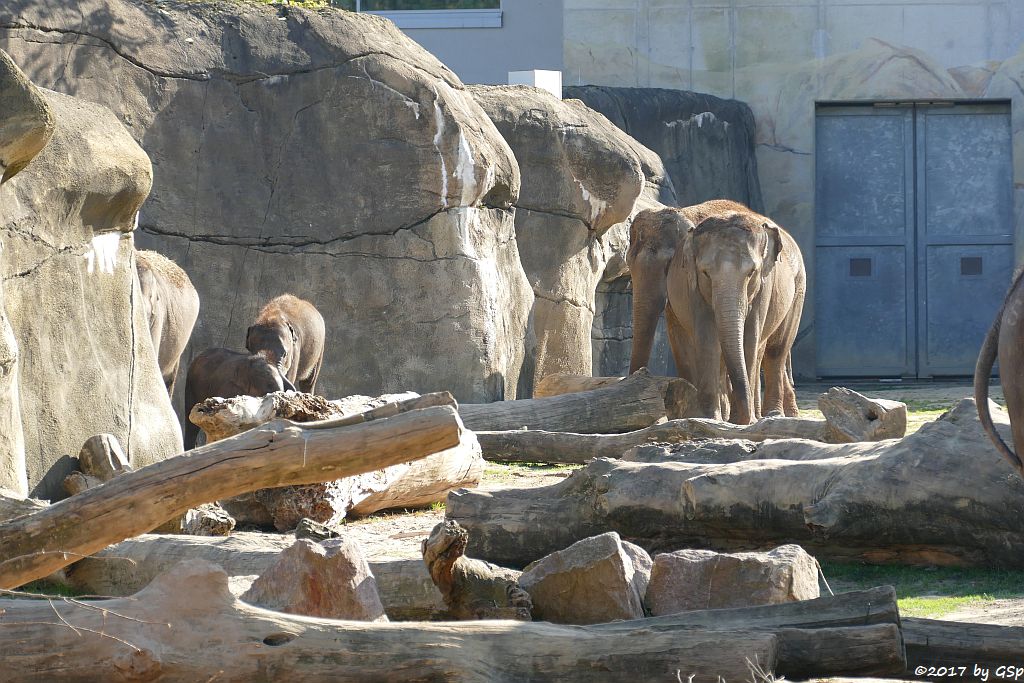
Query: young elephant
[(289, 332), (1005, 338), (227, 373), (171, 305)]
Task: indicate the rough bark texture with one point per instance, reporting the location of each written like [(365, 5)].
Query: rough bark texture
[(472, 589), (418, 248), (404, 585), (280, 453), (406, 485), (634, 403), (855, 417), (899, 501), (213, 635), (932, 643)]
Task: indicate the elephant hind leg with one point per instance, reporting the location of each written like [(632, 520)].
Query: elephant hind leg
[(307, 385), (171, 378)]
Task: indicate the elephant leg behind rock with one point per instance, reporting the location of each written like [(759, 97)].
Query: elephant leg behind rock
[(307, 385)]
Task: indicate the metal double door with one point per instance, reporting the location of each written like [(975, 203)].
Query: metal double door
[(914, 236)]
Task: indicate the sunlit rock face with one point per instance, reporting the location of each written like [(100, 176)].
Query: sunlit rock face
[(323, 154), (84, 359)]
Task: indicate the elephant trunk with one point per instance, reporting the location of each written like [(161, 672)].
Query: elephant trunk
[(729, 305), (648, 303)]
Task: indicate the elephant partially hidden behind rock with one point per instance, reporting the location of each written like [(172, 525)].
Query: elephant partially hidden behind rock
[(227, 373), (289, 332), (171, 304), (732, 285), (1005, 339)]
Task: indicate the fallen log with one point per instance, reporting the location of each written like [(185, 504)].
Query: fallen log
[(940, 496), (636, 402), (214, 636), (13, 505), (966, 651), (419, 483), (279, 453), (405, 586)]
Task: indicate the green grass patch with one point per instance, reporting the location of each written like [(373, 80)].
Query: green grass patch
[(497, 471), (50, 588), (929, 591)]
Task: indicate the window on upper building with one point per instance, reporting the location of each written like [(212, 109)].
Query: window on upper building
[(431, 13)]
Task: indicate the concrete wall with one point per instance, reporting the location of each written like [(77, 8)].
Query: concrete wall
[(530, 38), (783, 56)]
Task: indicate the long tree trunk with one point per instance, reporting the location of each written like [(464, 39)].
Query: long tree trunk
[(279, 453), (729, 304), (186, 626)]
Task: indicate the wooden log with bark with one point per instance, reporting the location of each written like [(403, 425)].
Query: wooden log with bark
[(214, 636), (964, 650), (414, 484), (405, 587), (939, 496), (276, 454), (638, 401), (472, 589)]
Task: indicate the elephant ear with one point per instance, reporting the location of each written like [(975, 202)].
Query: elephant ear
[(773, 247)]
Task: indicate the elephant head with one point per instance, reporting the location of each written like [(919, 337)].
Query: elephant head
[(276, 341), (733, 256), (653, 238)]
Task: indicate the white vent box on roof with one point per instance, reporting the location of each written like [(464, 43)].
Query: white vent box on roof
[(546, 80)]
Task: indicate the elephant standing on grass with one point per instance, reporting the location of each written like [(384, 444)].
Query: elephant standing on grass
[(289, 332), (171, 305), (732, 288), (1005, 339), (227, 373)]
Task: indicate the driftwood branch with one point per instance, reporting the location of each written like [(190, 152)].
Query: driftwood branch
[(279, 453)]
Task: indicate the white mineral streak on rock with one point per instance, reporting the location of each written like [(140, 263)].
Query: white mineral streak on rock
[(103, 254), (596, 205), (465, 171), (439, 120), (467, 223), (702, 117)]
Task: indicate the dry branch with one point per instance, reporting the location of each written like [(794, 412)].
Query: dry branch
[(279, 453)]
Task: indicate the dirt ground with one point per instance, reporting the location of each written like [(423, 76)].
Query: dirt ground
[(399, 534)]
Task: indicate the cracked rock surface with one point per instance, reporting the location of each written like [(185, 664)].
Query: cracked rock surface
[(85, 363), (321, 153)]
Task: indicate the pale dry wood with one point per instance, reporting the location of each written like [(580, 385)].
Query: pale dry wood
[(14, 505), (933, 643), (855, 417), (904, 501), (279, 453), (404, 585), (563, 383), (677, 393), (214, 636), (636, 402)]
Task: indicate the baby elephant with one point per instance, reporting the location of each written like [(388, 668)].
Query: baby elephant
[(289, 332), (227, 373)]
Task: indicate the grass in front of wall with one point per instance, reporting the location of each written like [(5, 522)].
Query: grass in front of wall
[(507, 472), (930, 592)]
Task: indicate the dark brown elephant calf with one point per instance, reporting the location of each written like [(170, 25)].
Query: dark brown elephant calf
[(289, 332), (227, 373), (1005, 338)]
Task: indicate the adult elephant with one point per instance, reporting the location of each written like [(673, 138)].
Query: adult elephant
[(732, 291), (171, 305), (289, 332), (1005, 339), (227, 373)]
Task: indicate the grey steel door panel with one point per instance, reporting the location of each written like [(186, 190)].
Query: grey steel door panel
[(964, 231), (864, 265)]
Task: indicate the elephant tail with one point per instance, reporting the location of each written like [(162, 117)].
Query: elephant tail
[(982, 372)]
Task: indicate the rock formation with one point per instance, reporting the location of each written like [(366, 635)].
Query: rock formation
[(322, 153), (85, 363)]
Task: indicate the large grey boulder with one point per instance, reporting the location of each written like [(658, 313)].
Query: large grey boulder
[(581, 179), (85, 359), (703, 579), (319, 152), (591, 582), (705, 142)]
